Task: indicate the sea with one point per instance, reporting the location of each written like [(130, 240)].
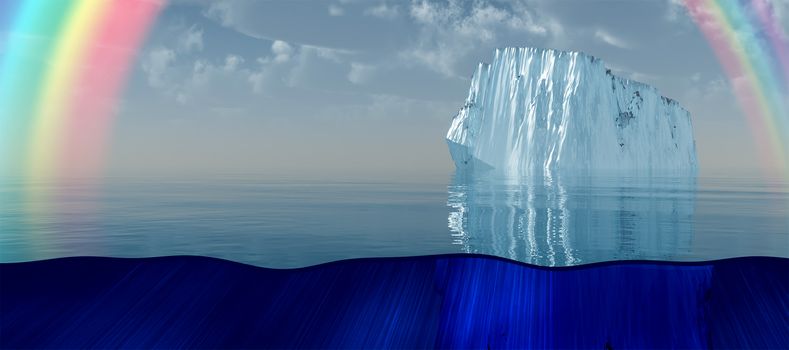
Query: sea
[(278, 222)]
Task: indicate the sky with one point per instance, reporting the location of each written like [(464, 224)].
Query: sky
[(368, 88)]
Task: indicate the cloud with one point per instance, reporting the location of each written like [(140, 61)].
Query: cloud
[(265, 20), (435, 40), (716, 86), (335, 10), (222, 11), (708, 90), (156, 63), (232, 62), (197, 80), (175, 72), (159, 62), (674, 10), (299, 65), (270, 71), (191, 40), (383, 10), (451, 33), (611, 39), (207, 76), (258, 78), (282, 51), (360, 73)]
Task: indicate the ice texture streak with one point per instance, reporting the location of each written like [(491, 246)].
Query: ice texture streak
[(544, 112)]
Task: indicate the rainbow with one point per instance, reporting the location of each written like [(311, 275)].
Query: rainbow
[(63, 64), (754, 53)]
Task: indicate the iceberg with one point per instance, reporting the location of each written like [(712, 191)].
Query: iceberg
[(543, 112)]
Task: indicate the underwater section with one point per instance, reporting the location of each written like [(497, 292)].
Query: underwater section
[(440, 301)]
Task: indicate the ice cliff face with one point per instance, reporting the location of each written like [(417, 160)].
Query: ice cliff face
[(540, 111)]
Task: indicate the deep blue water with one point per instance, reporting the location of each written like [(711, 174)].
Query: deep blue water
[(291, 223), (443, 302)]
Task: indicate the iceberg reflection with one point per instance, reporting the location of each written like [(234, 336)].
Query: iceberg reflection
[(561, 221)]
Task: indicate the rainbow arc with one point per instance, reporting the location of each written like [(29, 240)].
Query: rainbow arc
[(754, 52), (62, 66)]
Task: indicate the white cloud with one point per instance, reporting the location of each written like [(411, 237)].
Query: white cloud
[(427, 12), (263, 20), (448, 37), (257, 80), (265, 75), (221, 11), (383, 10), (360, 73), (294, 65), (708, 90), (232, 62), (196, 80), (191, 40), (155, 65), (163, 66), (449, 33), (159, 63), (176, 70), (335, 55), (282, 51), (201, 72), (335, 10), (675, 8), (716, 86), (207, 77), (611, 39)]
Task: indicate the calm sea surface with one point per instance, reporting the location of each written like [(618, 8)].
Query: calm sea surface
[(283, 223)]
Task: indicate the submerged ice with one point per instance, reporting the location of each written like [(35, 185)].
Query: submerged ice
[(543, 112)]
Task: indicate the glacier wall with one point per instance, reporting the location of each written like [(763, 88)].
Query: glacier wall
[(542, 111)]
